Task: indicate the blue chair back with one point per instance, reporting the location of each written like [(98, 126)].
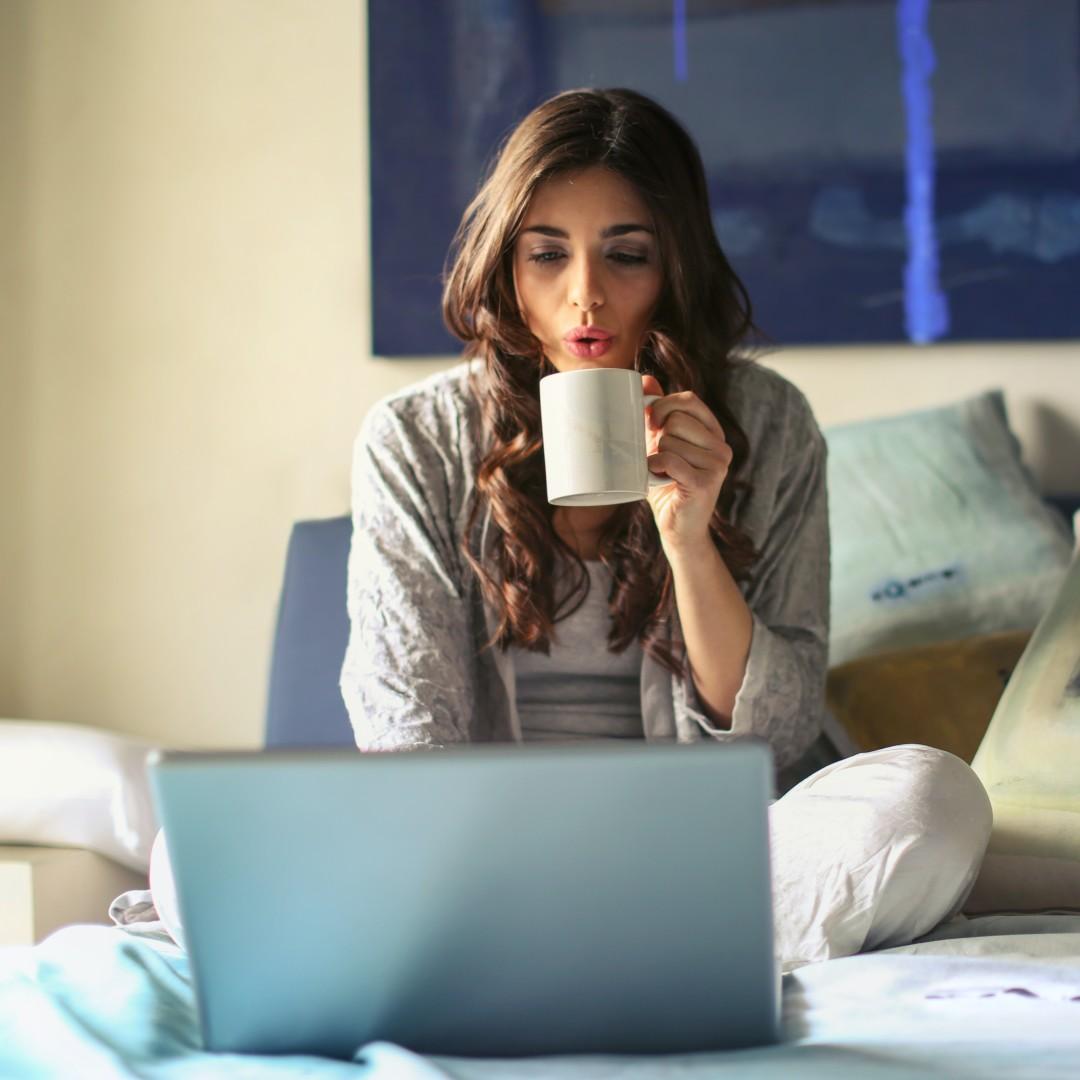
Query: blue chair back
[(304, 707)]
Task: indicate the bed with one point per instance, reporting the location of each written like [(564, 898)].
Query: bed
[(993, 992), (991, 996)]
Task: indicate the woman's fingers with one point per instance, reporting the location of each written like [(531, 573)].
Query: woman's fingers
[(687, 441), (700, 457), (690, 429), (687, 402), (679, 469)]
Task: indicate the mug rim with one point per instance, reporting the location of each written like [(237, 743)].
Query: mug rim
[(592, 371)]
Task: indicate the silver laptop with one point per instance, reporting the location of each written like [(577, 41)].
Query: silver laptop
[(490, 900)]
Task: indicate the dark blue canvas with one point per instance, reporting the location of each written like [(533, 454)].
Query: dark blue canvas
[(804, 119)]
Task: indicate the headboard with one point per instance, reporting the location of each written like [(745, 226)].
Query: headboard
[(305, 706)]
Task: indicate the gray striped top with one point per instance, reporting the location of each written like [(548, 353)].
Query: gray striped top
[(581, 689)]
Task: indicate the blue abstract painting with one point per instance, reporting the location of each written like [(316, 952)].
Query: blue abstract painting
[(880, 170)]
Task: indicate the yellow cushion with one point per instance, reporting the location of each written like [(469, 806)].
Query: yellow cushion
[(941, 695)]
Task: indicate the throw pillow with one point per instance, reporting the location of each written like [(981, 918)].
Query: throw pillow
[(938, 532), (939, 695)]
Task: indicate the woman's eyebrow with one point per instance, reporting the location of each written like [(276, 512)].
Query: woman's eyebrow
[(610, 231)]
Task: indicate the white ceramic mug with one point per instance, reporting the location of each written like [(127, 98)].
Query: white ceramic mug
[(593, 422)]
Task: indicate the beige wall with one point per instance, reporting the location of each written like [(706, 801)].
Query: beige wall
[(1041, 383), (14, 335), (184, 313), (192, 366)]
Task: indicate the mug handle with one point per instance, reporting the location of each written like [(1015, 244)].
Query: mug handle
[(654, 480)]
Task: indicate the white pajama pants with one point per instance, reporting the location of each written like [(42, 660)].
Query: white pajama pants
[(869, 852), (874, 851)]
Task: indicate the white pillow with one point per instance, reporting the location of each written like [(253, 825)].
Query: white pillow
[(76, 786)]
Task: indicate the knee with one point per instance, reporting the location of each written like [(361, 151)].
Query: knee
[(163, 889), (906, 830), (943, 795), (922, 794), (942, 819)]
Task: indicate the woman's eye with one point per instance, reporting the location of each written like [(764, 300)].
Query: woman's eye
[(627, 258), (547, 257)]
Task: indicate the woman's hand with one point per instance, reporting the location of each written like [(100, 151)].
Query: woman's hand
[(685, 441)]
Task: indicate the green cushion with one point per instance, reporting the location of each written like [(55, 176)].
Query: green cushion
[(938, 532)]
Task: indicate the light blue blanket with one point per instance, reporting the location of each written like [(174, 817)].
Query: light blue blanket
[(992, 997)]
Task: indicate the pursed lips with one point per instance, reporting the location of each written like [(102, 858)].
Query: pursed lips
[(592, 333), (588, 342)]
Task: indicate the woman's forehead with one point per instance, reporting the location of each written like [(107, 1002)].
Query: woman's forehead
[(596, 195)]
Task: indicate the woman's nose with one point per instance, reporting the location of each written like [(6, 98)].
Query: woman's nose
[(586, 292)]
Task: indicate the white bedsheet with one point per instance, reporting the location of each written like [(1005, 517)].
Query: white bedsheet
[(991, 997), (995, 996)]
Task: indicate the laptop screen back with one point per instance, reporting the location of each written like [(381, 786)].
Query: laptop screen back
[(484, 901)]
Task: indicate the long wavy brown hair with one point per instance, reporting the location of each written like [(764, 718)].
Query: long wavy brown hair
[(703, 316)]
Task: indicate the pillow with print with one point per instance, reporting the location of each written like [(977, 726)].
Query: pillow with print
[(938, 531)]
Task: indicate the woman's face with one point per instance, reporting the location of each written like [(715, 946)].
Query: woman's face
[(587, 269)]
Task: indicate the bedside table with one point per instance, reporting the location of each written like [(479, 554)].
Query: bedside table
[(44, 888)]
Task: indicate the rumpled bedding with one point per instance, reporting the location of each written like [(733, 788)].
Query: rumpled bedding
[(994, 996)]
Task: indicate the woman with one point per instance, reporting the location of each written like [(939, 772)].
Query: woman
[(471, 596), (481, 612)]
